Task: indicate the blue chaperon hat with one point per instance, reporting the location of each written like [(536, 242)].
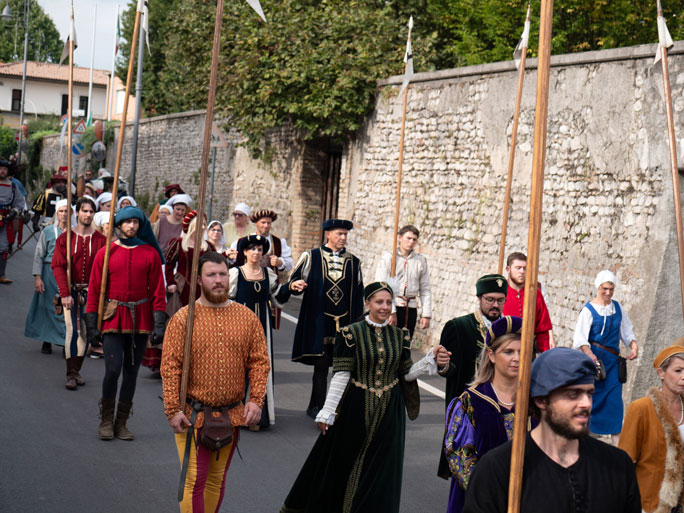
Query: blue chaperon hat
[(145, 233), (560, 367), (333, 224)]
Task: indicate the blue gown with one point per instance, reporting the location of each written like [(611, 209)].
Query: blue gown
[(41, 321)]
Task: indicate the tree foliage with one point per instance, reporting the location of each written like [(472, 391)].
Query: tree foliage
[(44, 44)]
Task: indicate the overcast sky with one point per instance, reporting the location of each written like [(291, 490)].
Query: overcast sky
[(105, 26)]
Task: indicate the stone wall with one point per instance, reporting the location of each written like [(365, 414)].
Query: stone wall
[(608, 199)]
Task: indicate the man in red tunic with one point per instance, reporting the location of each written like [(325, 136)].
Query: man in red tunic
[(516, 268), (134, 309), (85, 243)]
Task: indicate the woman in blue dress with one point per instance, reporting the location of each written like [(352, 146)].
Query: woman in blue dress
[(42, 323), (601, 325), (256, 288)]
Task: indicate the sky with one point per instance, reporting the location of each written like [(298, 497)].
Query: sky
[(105, 26)]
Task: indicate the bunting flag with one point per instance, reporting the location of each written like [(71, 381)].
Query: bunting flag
[(408, 59), (254, 4), (71, 36), (524, 40), (664, 37)]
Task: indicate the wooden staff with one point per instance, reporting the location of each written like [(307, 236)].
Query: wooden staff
[(119, 151), (70, 100), (213, 78), (673, 161), (397, 202), (536, 196), (511, 156)]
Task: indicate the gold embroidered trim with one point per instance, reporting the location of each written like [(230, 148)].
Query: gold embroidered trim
[(376, 391)]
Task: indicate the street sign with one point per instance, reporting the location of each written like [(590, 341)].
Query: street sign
[(78, 150), (80, 127), (64, 118), (99, 151), (217, 139)]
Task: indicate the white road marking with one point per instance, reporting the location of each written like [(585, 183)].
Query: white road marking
[(428, 388)]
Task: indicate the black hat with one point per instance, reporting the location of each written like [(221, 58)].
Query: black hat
[(376, 287), (491, 283), (333, 224), (253, 239)]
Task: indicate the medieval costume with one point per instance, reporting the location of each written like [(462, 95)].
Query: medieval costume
[(233, 233), (42, 323), (414, 282), (164, 229), (333, 299), (602, 328), (515, 299), (83, 251), (104, 202), (653, 439), (12, 203), (135, 307), (258, 295), (169, 191), (44, 204), (220, 246), (357, 466), (228, 347), (129, 199)]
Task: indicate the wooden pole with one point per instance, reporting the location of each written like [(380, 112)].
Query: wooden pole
[(511, 155), (208, 120), (117, 168), (397, 202), (673, 163), (536, 197), (70, 111)]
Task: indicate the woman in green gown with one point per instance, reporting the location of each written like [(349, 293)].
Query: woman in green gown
[(356, 464)]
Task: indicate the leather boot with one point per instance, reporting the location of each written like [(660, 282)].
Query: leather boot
[(123, 411), (106, 429), (71, 374), (77, 367)]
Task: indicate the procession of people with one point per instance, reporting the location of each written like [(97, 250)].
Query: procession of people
[(364, 333)]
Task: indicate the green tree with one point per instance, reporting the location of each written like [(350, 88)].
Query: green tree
[(8, 145), (44, 44)]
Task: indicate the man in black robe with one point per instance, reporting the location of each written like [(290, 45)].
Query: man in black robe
[(464, 337), (565, 470)]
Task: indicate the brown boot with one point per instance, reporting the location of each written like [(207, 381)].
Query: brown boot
[(106, 429), (77, 367), (123, 411), (71, 374)]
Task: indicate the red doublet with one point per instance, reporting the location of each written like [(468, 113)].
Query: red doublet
[(83, 251), (176, 254), (134, 274), (515, 299)]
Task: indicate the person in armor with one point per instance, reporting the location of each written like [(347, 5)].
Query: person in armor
[(12, 204), (44, 205)]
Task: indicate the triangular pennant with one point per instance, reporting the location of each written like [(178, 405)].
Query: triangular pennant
[(408, 60), (72, 34), (664, 37), (524, 40), (254, 4)]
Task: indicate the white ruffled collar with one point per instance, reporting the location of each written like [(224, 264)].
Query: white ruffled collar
[(376, 324)]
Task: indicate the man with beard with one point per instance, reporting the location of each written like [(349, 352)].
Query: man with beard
[(464, 338), (228, 345), (72, 277), (12, 203), (135, 305), (516, 268), (565, 470)]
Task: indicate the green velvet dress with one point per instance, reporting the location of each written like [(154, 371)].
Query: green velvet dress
[(356, 467)]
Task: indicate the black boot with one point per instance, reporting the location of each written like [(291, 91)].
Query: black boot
[(106, 429), (77, 368), (46, 348), (123, 411), (71, 374)]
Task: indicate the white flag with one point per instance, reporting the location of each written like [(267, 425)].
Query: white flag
[(72, 35), (408, 60), (524, 40), (664, 37), (146, 25), (61, 136), (257, 7)]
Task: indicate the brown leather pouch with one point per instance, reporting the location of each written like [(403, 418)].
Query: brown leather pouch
[(217, 430), (110, 309), (57, 302)]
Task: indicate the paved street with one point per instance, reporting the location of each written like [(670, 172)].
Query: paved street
[(53, 462)]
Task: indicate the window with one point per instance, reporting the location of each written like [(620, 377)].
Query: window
[(65, 104), (16, 100), (83, 105)]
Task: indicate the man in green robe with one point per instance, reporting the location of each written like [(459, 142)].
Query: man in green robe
[(464, 337)]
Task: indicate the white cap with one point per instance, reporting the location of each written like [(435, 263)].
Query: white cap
[(129, 198), (179, 198), (100, 218), (102, 198), (102, 172), (166, 207), (603, 277), (244, 208), (61, 203)]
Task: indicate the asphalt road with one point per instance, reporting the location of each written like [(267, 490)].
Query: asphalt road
[(53, 462)]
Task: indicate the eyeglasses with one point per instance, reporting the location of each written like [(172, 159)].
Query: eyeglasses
[(492, 300), (238, 214)]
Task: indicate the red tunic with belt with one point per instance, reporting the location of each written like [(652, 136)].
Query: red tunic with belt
[(515, 300), (134, 274), (83, 251), (175, 254)]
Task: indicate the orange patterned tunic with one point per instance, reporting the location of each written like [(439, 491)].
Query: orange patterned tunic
[(226, 343)]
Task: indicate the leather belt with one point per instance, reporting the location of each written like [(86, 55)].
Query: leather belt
[(131, 307), (610, 350)]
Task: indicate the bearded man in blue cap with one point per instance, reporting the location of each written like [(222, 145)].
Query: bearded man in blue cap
[(565, 470), (331, 277), (135, 308)]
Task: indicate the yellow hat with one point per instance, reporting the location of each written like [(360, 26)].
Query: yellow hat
[(667, 353)]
